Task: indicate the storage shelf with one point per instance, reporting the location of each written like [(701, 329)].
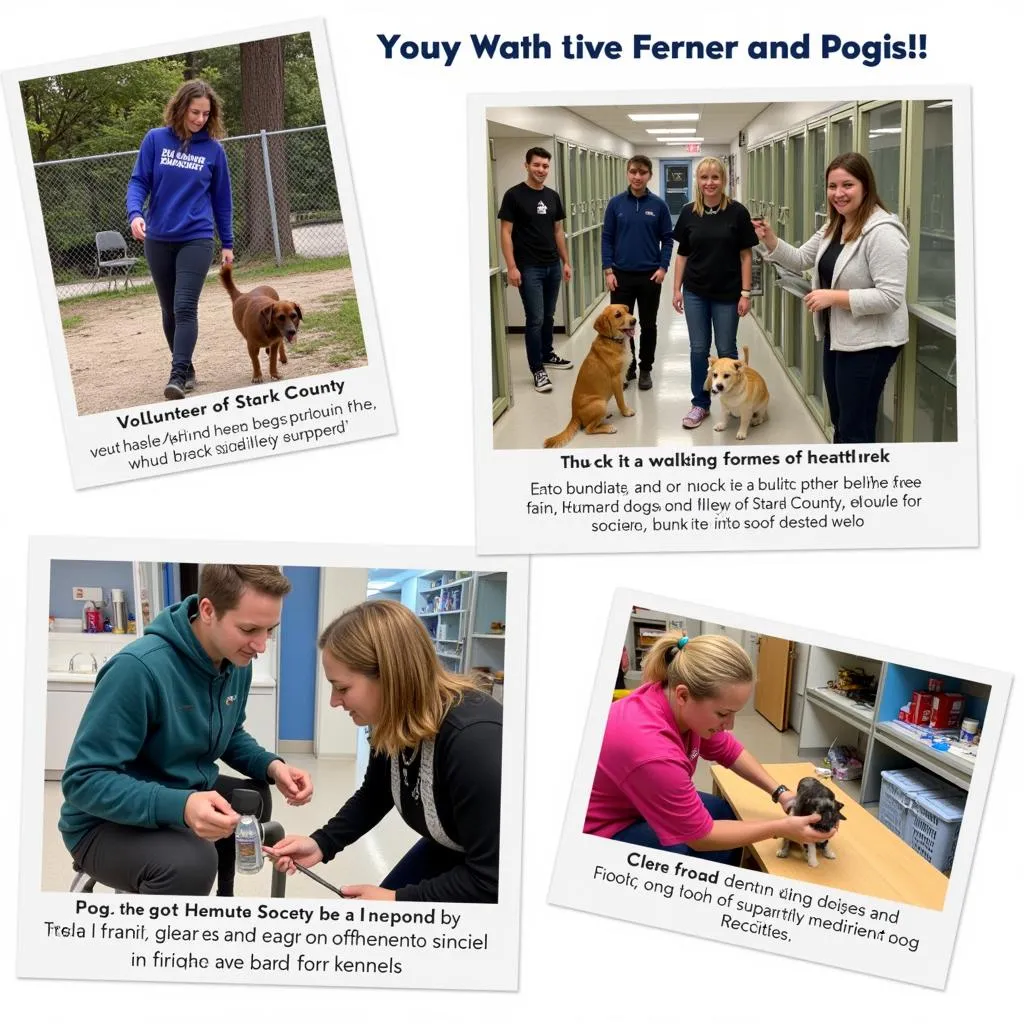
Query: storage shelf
[(94, 638), (842, 707), (953, 769), (489, 636)]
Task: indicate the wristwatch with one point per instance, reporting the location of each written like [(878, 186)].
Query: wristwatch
[(776, 793)]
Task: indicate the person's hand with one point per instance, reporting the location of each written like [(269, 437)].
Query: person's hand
[(210, 816), (743, 306), (799, 829), (227, 257), (610, 280), (292, 850), (677, 301), (294, 783), (566, 273), (139, 229), (785, 799), (764, 232), (515, 278), (658, 276), (819, 299), (367, 892)]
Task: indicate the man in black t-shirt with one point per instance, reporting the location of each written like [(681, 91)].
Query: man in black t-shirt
[(537, 260)]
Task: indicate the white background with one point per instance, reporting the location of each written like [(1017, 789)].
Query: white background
[(405, 130)]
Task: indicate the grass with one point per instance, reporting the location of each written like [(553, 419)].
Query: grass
[(69, 323), (338, 328), (248, 272)]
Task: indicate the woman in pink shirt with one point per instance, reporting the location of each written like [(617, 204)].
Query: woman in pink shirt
[(643, 790)]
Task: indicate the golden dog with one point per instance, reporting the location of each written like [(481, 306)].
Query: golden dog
[(741, 390), (264, 320), (600, 377)]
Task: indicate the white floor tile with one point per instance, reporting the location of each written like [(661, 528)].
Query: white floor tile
[(659, 412)]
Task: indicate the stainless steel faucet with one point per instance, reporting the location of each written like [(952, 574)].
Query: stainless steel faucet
[(71, 663)]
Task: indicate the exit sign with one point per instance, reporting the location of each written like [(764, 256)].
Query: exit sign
[(693, 147)]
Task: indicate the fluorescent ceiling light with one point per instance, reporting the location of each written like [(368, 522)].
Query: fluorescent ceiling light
[(380, 584), (673, 141), (941, 103), (664, 117), (670, 131)]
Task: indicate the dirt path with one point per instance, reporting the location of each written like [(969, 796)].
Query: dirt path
[(119, 358)]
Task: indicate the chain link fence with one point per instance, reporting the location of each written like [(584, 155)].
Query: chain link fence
[(285, 196)]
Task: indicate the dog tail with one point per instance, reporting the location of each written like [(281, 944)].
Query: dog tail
[(746, 355), (562, 439), (228, 281)]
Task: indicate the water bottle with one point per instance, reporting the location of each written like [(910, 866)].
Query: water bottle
[(248, 833)]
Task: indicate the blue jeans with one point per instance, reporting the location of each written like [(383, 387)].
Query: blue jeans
[(701, 316), (425, 859), (179, 272), (641, 834), (854, 382), (539, 292)]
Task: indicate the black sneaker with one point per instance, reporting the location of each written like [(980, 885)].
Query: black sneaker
[(541, 381), (557, 362), (175, 388), (645, 381), (630, 373), (190, 378)]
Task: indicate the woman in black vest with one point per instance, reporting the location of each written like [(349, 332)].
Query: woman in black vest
[(436, 758)]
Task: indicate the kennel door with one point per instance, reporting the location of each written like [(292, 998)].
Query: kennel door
[(774, 675)]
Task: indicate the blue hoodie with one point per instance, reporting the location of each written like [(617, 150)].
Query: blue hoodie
[(187, 190), (161, 716), (637, 233)]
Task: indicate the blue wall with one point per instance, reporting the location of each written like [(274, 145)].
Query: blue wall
[(298, 655), (67, 573)]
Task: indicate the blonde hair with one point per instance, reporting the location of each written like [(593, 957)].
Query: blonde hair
[(386, 641), (703, 665), (698, 202)]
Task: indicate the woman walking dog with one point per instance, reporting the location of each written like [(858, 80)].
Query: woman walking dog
[(183, 171)]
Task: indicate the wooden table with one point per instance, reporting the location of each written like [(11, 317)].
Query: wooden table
[(870, 859)]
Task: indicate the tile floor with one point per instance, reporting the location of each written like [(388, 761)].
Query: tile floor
[(367, 861), (658, 411)]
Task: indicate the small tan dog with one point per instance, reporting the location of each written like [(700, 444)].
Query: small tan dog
[(741, 390), (600, 377)]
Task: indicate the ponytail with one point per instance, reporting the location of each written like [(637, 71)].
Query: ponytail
[(702, 664)]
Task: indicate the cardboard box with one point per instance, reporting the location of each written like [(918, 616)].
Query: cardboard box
[(947, 710), (921, 707)]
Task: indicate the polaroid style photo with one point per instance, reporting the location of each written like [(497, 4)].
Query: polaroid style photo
[(272, 763), (197, 244), (724, 320), (823, 802)]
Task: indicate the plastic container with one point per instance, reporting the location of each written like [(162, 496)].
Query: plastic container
[(969, 730), (935, 827), (899, 789)]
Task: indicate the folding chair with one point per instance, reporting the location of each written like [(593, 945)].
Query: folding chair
[(112, 243)]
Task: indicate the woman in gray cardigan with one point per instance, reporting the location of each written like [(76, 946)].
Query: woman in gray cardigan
[(858, 298)]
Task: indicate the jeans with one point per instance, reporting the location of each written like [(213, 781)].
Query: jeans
[(854, 382), (641, 834), (425, 859), (165, 861), (539, 292), (179, 272), (701, 316), (636, 286)]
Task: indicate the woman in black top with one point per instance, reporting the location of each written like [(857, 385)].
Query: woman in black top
[(712, 276), (436, 758)]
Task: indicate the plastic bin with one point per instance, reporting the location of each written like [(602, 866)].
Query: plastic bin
[(935, 827), (897, 797)]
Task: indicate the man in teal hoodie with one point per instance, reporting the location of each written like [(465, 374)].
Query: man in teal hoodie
[(145, 808)]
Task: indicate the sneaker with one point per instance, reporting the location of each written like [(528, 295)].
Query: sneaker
[(175, 388), (645, 381), (557, 362), (695, 417), (541, 381), (190, 378)]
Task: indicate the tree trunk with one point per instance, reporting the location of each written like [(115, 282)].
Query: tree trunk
[(262, 64)]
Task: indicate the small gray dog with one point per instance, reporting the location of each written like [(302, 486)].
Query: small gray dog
[(814, 798)]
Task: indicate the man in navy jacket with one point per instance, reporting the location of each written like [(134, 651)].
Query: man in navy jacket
[(636, 249)]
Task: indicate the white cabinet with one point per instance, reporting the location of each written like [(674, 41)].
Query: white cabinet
[(65, 705)]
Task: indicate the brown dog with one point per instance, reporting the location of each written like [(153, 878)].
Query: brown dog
[(741, 390), (265, 321), (600, 377)]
